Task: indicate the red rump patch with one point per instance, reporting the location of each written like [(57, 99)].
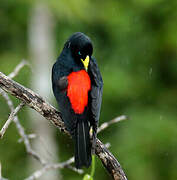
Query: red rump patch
[(78, 86)]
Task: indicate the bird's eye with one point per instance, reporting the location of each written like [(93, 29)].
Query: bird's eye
[(79, 53)]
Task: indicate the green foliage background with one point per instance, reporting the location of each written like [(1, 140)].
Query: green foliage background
[(135, 44)]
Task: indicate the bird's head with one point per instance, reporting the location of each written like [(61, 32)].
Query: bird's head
[(81, 48)]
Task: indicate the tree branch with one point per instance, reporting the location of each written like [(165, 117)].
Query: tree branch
[(37, 103)]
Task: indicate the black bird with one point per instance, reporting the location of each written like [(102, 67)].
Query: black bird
[(77, 86)]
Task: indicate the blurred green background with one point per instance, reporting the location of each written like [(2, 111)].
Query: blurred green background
[(135, 44)]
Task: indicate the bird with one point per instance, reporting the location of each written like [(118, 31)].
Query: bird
[(78, 86)]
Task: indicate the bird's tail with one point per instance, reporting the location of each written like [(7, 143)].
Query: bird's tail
[(82, 144)]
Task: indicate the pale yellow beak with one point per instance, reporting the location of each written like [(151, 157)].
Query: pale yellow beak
[(86, 62)]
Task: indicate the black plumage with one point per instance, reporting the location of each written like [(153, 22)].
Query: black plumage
[(78, 47)]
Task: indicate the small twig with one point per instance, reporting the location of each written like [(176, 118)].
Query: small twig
[(10, 119), (27, 144), (18, 68), (30, 136), (107, 124), (79, 171), (21, 130), (47, 167)]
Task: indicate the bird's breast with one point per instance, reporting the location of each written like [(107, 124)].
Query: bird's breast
[(79, 84)]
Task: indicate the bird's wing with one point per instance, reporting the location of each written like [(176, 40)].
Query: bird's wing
[(60, 83), (95, 97)]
